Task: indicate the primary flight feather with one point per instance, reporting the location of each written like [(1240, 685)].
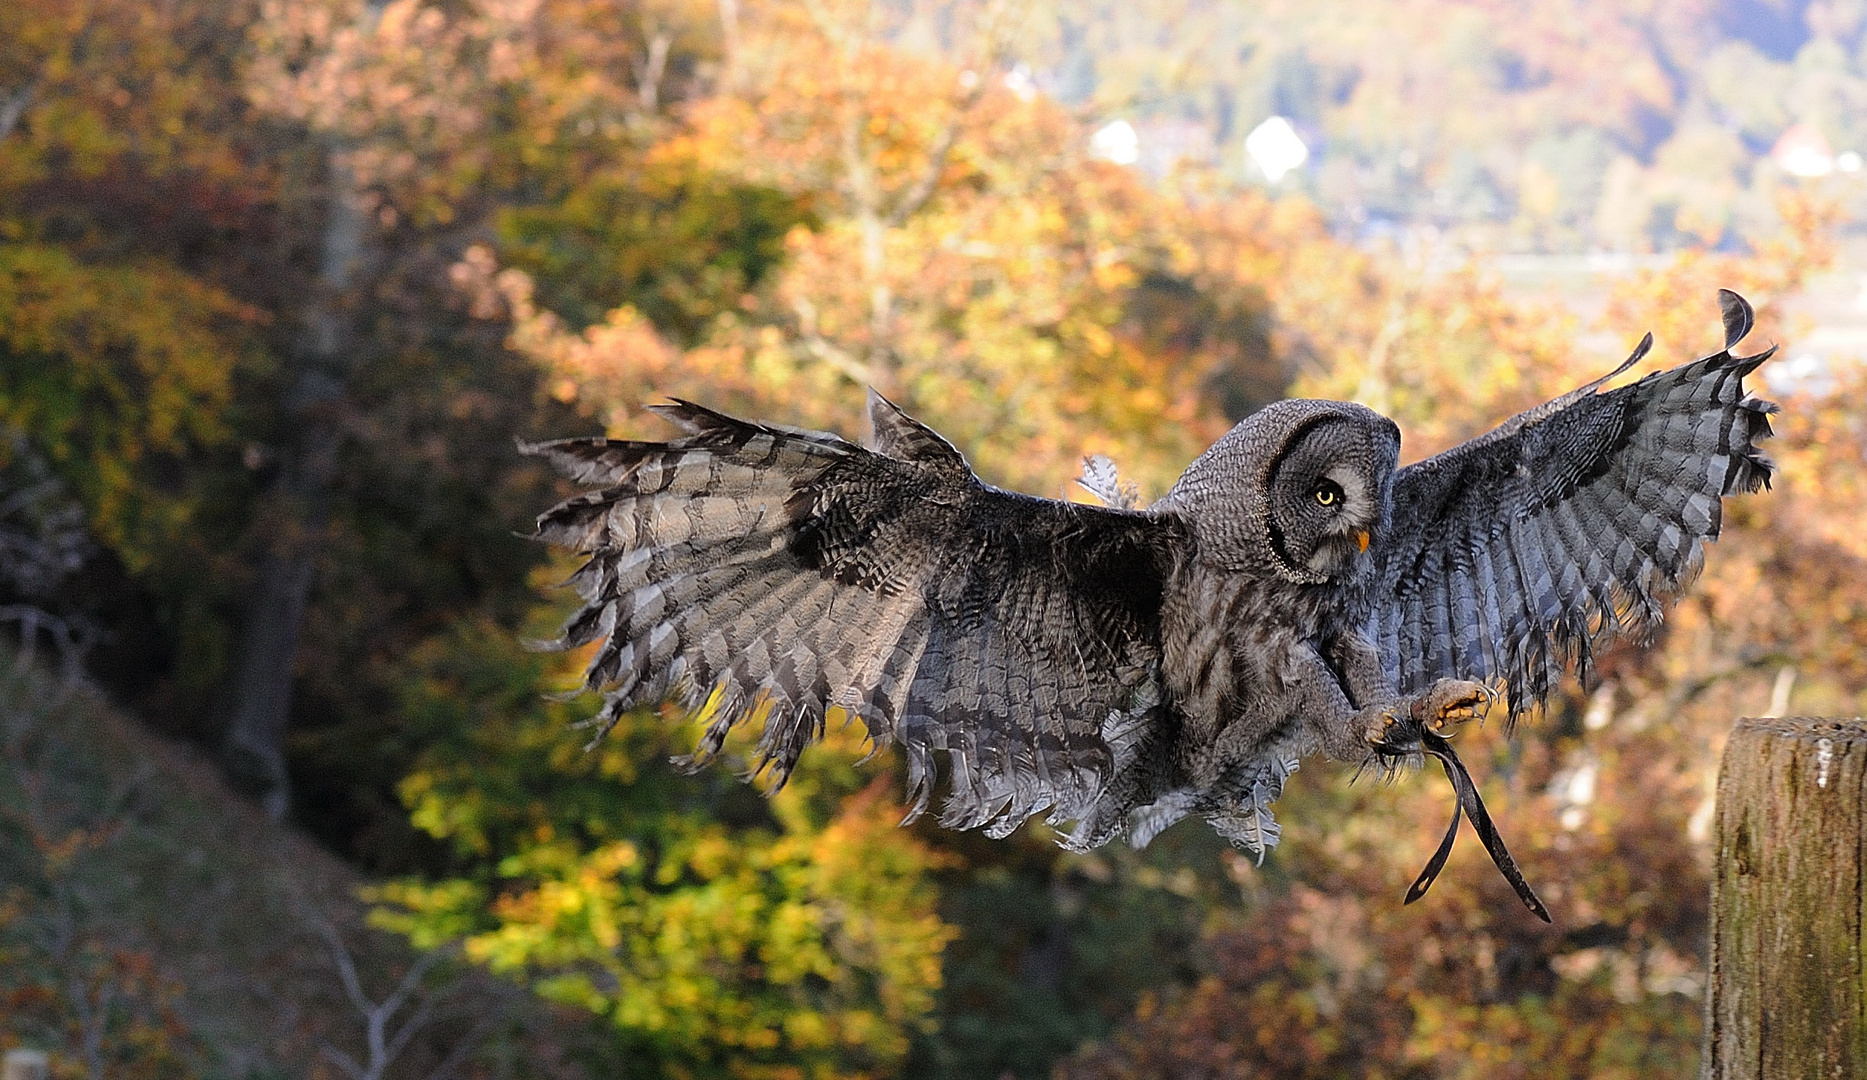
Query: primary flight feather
[(1117, 669)]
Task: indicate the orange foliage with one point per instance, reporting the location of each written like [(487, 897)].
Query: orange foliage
[(972, 261), (1606, 801), (1011, 307), (964, 253)]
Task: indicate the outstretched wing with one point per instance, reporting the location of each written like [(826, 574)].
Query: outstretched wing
[(1514, 555), (751, 570)]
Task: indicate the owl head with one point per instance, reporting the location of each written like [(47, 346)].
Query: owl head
[(1299, 488)]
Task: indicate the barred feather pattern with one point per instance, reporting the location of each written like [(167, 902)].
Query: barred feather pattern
[(1517, 555), (757, 571), (1120, 669)]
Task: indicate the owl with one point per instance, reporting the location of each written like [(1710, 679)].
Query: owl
[(1118, 668)]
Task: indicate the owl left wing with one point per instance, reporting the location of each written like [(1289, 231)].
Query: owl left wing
[(752, 571), (1516, 554)]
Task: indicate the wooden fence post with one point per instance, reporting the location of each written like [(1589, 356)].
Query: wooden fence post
[(1787, 992)]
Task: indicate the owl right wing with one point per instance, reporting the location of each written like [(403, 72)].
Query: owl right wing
[(757, 571), (1516, 554)]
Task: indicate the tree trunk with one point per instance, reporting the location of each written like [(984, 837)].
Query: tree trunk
[(1788, 988), (253, 752)]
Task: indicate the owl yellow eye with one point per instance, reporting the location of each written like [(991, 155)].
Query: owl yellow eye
[(1327, 493)]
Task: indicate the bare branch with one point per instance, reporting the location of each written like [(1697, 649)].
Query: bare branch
[(928, 181), (729, 37), (859, 179), (650, 69), (340, 957), (994, 34), (840, 360), (385, 1038), (411, 982), (1749, 662), (482, 1026), (13, 105), (342, 1060), (823, 349)]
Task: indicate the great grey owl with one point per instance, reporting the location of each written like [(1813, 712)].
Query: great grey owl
[(1122, 668)]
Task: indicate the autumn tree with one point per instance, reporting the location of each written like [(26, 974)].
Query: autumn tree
[(716, 933), (280, 282), (421, 130), (1037, 304), (1606, 798)]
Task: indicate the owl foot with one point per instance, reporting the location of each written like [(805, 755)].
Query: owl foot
[(1451, 702), (1387, 726), (1396, 729)]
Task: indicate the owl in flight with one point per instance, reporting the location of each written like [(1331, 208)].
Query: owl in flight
[(1121, 668)]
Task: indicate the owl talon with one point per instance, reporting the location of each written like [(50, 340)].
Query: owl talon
[(1452, 702), (1398, 729), (1386, 730)]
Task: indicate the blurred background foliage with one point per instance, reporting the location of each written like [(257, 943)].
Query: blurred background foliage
[(282, 280)]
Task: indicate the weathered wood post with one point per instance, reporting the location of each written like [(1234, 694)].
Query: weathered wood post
[(1787, 994)]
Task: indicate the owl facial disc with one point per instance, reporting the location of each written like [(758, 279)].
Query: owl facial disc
[(1328, 496)]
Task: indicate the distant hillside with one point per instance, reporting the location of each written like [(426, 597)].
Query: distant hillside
[(1564, 126), (153, 924)]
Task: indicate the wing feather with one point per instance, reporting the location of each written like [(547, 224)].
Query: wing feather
[(1464, 612), (1489, 616), (1568, 525), (757, 571)]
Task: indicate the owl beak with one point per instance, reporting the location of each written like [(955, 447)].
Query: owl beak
[(1361, 541)]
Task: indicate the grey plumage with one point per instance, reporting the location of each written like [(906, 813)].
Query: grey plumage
[(1516, 553), (1115, 668)]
